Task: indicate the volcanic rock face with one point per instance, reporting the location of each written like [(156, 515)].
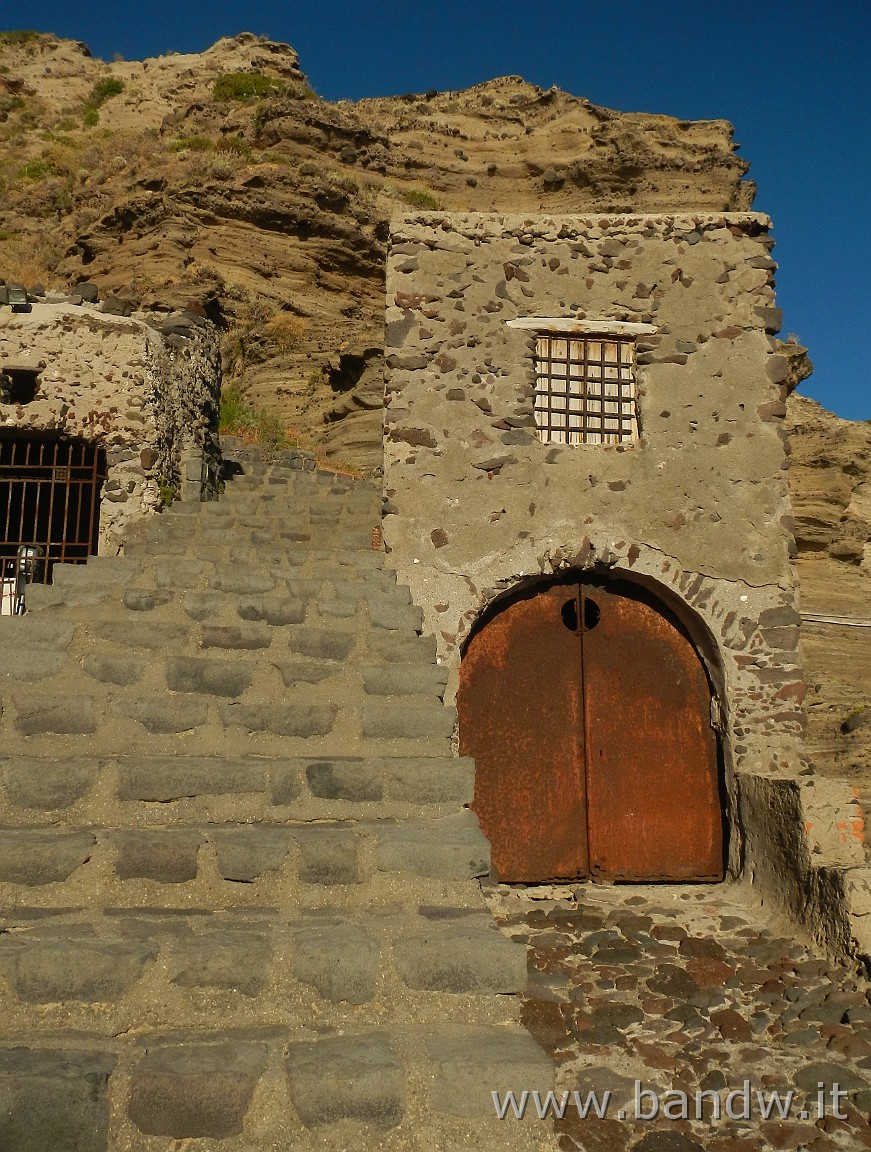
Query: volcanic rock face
[(830, 485), (830, 482), (223, 179)]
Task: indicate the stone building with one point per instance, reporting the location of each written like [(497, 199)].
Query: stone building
[(585, 488), (103, 419)]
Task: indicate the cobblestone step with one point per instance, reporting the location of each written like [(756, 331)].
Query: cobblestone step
[(174, 668), (221, 704), (269, 1087), (297, 542), (177, 789), (323, 589), (285, 600), (122, 968), (378, 861)]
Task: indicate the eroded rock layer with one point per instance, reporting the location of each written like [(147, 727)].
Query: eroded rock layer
[(223, 179)]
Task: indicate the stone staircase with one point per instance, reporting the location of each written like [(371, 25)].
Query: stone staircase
[(240, 907)]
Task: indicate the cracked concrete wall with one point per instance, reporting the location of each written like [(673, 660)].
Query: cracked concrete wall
[(150, 400), (697, 509)]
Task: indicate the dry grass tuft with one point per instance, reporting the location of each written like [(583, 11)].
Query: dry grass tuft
[(26, 259), (285, 331)]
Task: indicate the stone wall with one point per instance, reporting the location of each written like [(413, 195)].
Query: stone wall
[(146, 390), (697, 509)]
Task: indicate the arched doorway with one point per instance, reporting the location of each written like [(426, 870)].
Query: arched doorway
[(588, 712)]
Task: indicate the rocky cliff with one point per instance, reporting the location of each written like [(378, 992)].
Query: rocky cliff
[(830, 481), (223, 181)]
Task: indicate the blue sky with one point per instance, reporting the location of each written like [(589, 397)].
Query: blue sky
[(793, 77)]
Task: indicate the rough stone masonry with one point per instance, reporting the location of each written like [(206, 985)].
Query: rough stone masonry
[(696, 508), (144, 388)]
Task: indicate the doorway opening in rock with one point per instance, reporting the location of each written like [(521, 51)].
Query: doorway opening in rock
[(49, 499), (588, 711)]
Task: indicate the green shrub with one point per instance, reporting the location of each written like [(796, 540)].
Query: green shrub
[(104, 89), (239, 417), (245, 86), (166, 493), (59, 138), (38, 169), (18, 36), (191, 144), (221, 169), (233, 408), (419, 197), (344, 180), (10, 104)]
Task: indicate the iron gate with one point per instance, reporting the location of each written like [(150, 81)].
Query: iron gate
[(588, 713), (49, 499)]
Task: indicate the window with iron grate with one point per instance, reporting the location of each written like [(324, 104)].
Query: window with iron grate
[(585, 388)]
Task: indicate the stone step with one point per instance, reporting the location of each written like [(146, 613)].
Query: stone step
[(288, 864), (139, 720), (120, 968), (242, 531), (111, 659), (272, 1087), (323, 576), (176, 790), (259, 638), (302, 498), (290, 502), (240, 884), (201, 559), (323, 581), (322, 593), (280, 527)]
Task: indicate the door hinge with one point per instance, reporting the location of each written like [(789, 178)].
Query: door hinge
[(718, 720)]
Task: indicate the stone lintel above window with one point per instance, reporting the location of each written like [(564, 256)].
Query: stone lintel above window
[(572, 326)]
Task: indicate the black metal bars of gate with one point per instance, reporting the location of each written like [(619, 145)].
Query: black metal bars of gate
[(49, 497)]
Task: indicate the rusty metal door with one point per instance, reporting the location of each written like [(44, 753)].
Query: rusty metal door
[(587, 710)]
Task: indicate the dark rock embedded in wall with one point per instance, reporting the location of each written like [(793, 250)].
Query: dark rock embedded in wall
[(417, 437)]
